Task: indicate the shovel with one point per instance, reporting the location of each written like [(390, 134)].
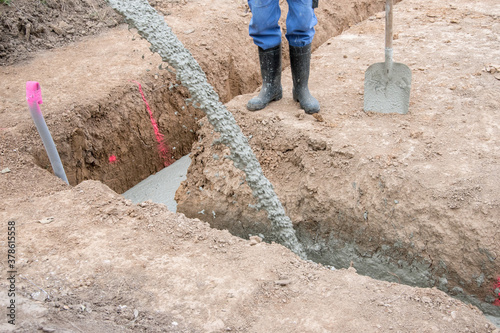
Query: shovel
[(387, 84)]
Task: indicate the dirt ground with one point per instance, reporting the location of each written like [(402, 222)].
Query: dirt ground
[(88, 260), (408, 198)]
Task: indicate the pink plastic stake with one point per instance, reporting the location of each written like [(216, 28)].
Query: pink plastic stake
[(34, 98)]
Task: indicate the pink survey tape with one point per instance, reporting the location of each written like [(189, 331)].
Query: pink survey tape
[(33, 92)]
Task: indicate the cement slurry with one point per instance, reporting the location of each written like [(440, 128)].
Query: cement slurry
[(161, 187), (387, 86), (153, 27), (413, 270)]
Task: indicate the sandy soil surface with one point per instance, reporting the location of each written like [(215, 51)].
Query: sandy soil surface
[(88, 260), (106, 264), (31, 26)]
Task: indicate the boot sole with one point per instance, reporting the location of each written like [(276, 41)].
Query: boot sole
[(312, 111)]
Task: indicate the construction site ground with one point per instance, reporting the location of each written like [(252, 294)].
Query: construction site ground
[(421, 188)]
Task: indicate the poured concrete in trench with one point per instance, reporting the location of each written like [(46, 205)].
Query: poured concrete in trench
[(161, 187)]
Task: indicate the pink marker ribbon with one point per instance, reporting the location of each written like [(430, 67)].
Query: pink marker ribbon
[(162, 148)]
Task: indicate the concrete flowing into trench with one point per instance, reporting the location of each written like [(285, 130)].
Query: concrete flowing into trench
[(152, 26)]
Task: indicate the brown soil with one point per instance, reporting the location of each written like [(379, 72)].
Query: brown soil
[(31, 26), (104, 264), (410, 198)]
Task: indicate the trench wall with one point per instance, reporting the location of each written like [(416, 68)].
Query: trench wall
[(385, 224), (120, 127)]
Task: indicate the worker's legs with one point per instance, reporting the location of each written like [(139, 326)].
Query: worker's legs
[(300, 24), (264, 28), (266, 33)]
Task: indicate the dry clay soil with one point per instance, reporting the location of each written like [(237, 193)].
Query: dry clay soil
[(407, 198), (88, 260)]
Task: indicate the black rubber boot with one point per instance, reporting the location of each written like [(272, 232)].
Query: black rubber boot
[(270, 69), (300, 60)]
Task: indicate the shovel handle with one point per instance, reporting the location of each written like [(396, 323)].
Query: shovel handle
[(388, 24)]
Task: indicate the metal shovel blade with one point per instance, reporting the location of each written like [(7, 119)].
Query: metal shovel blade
[(387, 84), (387, 90)]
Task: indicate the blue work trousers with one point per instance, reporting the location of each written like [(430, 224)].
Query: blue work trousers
[(264, 27)]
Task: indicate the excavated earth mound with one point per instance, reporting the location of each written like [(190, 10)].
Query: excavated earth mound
[(104, 264)]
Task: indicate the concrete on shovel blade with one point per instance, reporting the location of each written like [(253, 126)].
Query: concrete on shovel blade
[(387, 93)]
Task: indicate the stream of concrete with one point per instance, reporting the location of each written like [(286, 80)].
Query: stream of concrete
[(154, 29)]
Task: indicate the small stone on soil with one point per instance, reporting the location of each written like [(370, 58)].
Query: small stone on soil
[(47, 329), (257, 239), (46, 220), (283, 282)]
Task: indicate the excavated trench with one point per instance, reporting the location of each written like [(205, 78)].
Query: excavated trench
[(119, 127), (114, 142), (94, 134)]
